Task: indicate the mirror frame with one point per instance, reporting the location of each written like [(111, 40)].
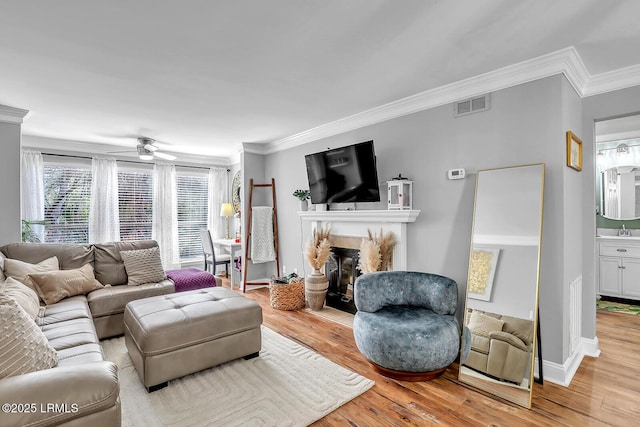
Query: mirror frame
[(510, 393)]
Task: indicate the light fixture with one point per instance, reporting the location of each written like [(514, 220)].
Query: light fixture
[(226, 210), (144, 154), (622, 148)]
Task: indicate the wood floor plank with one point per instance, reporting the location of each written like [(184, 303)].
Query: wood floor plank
[(604, 392)]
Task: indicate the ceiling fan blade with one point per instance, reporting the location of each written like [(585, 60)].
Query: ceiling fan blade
[(150, 147), (164, 155)]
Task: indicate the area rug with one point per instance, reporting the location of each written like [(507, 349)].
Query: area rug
[(288, 385), (618, 307)]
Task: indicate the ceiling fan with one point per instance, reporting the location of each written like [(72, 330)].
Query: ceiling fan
[(147, 150)]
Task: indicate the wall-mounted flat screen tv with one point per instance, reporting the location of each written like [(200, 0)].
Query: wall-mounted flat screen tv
[(343, 175)]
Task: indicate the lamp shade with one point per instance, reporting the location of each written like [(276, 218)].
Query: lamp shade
[(226, 210)]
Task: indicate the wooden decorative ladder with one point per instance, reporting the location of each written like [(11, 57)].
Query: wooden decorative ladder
[(275, 229)]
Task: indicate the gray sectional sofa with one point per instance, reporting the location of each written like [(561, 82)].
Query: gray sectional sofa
[(83, 383)]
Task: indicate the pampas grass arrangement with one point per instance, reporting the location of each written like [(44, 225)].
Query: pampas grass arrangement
[(318, 248), (376, 251)]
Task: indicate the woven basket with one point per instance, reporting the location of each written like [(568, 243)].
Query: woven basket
[(287, 296)]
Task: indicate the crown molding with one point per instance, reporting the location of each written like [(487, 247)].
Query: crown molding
[(613, 80), (12, 114), (565, 61)]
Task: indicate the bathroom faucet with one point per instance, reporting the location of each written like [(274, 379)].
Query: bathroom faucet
[(624, 232)]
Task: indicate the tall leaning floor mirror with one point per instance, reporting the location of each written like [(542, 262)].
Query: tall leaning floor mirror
[(501, 303)]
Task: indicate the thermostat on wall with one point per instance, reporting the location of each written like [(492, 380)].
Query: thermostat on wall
[(456, 173)]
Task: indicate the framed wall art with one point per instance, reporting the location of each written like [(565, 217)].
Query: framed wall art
[(574, 151)]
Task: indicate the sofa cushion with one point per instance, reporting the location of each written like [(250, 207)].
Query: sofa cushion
[(112, 299), (24, 296), (54, 286), (483, 325), (69, 255), (109, 268), (23, 346), (143, 266), (67, 309), (19, 270), (521, 328), (84, 353), (70, 333)]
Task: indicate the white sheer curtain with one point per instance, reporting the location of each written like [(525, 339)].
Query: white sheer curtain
[(218, 194), (165, 214), (104, 217), (32, 175)]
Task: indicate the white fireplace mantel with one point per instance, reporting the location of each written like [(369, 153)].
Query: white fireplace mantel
[(356, 223), (361, 216)]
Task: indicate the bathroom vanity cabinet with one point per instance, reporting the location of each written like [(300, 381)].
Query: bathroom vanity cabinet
[(619, 267)]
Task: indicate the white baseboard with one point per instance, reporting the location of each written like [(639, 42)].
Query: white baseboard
[(562, 374)]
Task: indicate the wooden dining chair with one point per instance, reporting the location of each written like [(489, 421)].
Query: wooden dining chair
[(211, 259)]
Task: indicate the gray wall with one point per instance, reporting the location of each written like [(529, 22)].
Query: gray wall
[(253, 166), (10, 179), (526, 124), (594, 108), (572, 212)]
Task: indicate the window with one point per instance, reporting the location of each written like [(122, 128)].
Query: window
[(193, 197), (68, 198), (135, 203), (67, 194)]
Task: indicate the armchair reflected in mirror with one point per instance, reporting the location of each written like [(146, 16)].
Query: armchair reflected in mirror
[(502, 285)]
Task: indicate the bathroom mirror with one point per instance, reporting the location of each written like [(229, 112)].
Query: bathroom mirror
[(620, 192), (501, 304)]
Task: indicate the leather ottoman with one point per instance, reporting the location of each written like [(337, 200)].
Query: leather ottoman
[(169, 336)]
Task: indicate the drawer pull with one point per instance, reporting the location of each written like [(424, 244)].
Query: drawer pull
[(621, 250)]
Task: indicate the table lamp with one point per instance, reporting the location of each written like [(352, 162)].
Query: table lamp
[(226, 211)]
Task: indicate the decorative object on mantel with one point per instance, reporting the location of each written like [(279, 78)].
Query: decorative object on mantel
[(400, 193), (376, 251), (303, 196), (317, 253)]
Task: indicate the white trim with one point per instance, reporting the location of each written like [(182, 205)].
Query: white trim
[(502, 239), (402, 216), (564, 61), (563, 374), (12, 114), (612, 80)]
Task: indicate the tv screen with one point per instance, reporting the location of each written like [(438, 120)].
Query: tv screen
[(343, 175)]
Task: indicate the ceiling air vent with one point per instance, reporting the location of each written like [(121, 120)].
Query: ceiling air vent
[(471, 105)]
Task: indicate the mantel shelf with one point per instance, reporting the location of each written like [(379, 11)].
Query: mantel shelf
[(397, 216)]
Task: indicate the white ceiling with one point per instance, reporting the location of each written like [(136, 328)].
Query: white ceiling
[(205, 76)]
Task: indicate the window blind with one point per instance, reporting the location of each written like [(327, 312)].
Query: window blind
[(193, 194), (135, 202), (67, 191)]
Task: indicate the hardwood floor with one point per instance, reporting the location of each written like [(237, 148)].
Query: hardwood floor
[(604, 392)]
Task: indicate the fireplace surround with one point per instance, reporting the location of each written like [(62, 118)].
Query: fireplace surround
[(348, 228)]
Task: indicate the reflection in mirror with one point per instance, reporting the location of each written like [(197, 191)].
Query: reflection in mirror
[(618, 166), (502, 286), (620, 197)]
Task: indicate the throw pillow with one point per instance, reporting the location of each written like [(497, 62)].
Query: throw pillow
[(143, 266), (23, 346), (53, 286), (19, 269), (483, 325), (24, 296)]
